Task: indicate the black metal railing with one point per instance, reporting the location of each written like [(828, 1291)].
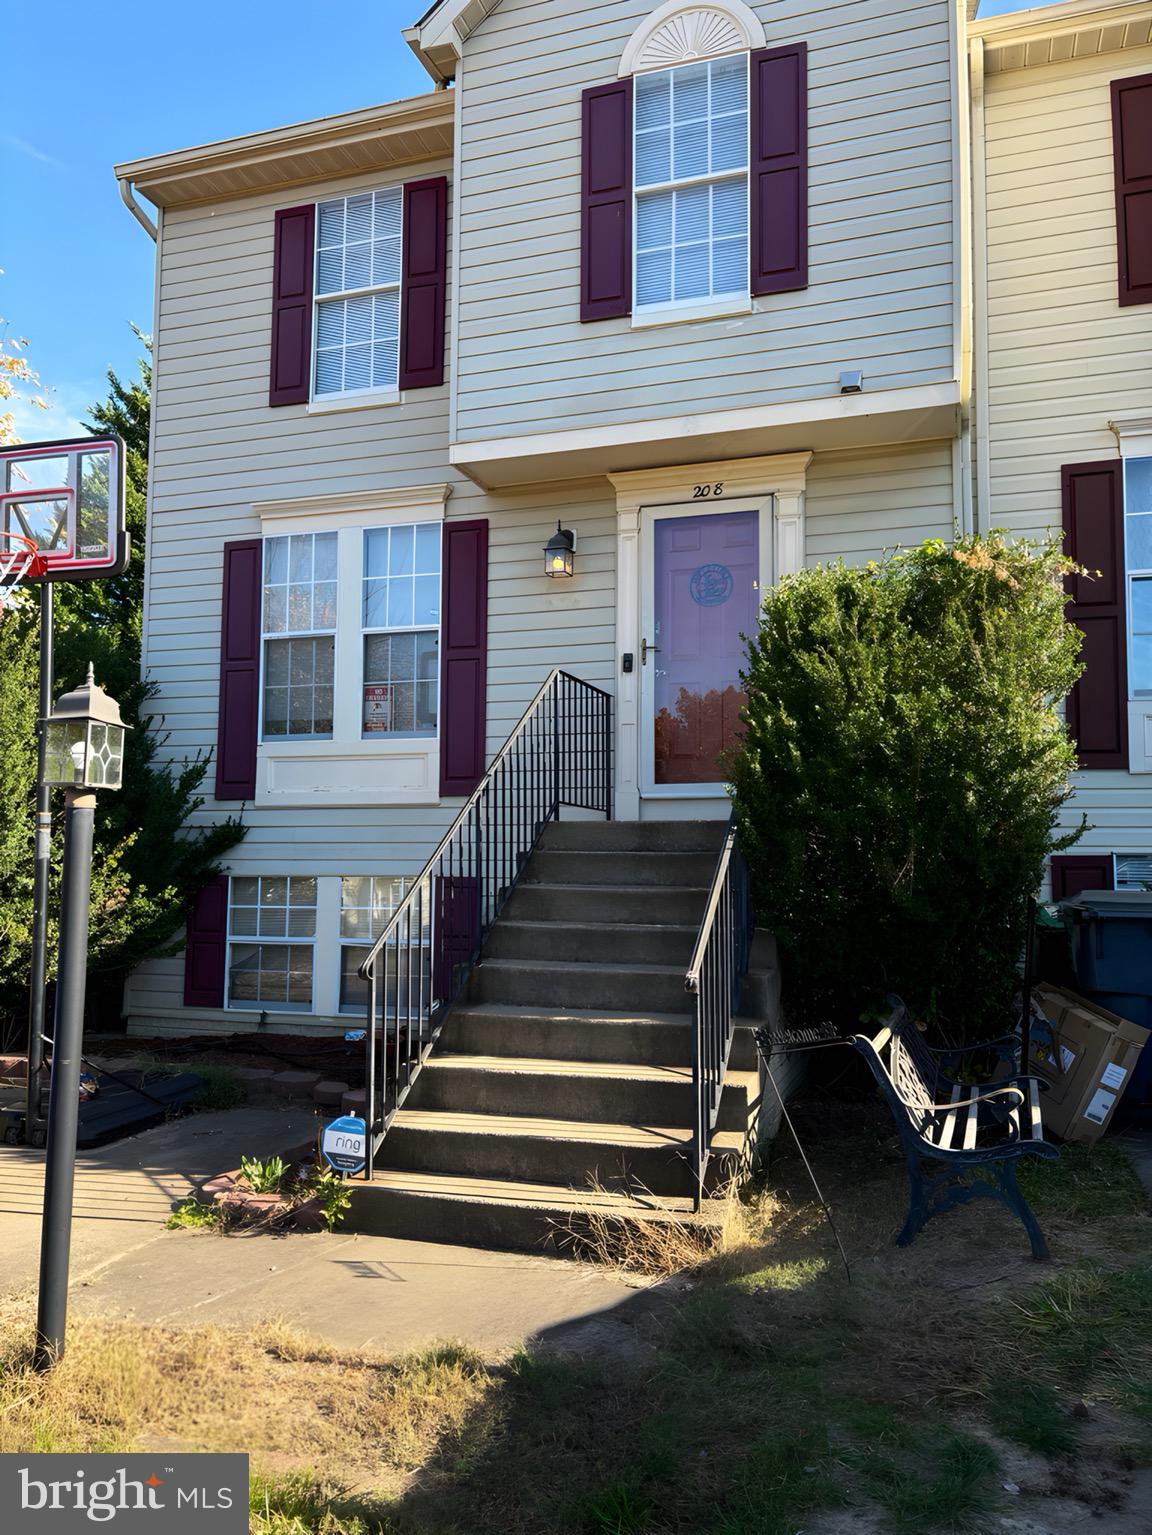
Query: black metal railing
[(559, 754), (714, 980)]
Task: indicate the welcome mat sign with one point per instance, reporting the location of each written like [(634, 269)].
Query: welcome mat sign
[(127, 1494)]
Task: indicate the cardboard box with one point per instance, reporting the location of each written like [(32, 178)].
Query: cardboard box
[(1087, 1055)]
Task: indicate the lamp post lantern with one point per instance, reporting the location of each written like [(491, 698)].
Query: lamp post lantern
[(83, 752)]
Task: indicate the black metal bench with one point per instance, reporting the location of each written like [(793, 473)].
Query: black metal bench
[(961, 1125)]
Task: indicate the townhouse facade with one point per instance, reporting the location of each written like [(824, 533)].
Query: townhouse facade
[(691, 295)]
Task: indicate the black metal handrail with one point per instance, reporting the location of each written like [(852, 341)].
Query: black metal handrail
[(559, 754), (714, 980)]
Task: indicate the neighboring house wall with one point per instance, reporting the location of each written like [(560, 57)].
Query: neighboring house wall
[(883, 178), (1064, 357)]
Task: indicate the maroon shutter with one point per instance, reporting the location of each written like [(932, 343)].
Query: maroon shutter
[(292, 263), (1132, 152), (463, 656), (606, 202), (239, 671), (1093, 503), (425, 283), (455, 931), (780, 169), (205, 946), (1072, 873)]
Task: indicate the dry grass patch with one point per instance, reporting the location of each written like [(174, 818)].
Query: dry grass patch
[(270, 1392)]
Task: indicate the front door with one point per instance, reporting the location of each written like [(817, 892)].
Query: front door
[(704, 573)]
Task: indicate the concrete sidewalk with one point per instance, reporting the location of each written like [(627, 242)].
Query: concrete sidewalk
[(370, 1292)]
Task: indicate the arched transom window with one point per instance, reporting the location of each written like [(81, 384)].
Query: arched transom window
[(691, 153)]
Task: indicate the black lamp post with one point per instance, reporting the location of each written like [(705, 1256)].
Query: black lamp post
[(83, 752)]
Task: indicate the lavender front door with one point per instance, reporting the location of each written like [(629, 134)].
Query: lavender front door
[(705, 595)]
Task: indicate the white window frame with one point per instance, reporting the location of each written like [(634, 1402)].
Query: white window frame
[(413, 628), (678, 310), (350, 769), (371, 394), (294, 634), (295, 1009), (1133, 574)]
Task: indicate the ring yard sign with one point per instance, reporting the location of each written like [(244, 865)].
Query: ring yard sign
[(344, 1144)]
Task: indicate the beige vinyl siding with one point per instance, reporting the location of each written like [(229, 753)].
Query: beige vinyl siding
[(861, 505), (1063, 357), (881, 294)]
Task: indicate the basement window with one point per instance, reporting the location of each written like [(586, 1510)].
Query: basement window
[(271, 942)]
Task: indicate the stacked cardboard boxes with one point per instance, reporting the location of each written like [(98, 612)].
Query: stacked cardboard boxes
[(1086, 1055)]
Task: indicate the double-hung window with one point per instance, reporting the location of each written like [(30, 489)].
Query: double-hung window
[(367, 903), (271, 939), (299, 634), (691, 176), (358, 258), (1138, 542), (401, 617)]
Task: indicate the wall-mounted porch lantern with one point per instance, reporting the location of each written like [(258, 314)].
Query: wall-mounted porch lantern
[(559, 553), (84, 740)]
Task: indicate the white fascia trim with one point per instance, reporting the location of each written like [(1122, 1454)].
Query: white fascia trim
[(405, 503), (750, 418), (981, 370), (1051, 20)]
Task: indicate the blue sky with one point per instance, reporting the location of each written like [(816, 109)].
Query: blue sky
[(137, 78)]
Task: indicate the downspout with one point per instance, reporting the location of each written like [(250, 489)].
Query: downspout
[(134, 208), (980, 290)]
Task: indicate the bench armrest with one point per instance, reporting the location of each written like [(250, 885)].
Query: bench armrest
[(966, 1103)]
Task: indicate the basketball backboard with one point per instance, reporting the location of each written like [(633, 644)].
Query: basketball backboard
[(68, 499)]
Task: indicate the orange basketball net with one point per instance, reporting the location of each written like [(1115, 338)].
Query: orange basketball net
[(20, 560)]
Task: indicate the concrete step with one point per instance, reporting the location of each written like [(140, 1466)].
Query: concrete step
[(648, 1039), (577, 1154), (542, 901), (501, 1213), (566, 985), (593, 942), (613, 868), (592, 1091), (634, 836)]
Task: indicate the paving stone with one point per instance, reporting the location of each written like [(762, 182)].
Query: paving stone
[(295, 1084), (329, 1092), (353, 1102)]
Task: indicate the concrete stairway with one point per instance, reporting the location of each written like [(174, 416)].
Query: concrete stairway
[(563, 1080)]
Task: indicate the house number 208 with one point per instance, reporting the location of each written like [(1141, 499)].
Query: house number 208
[(702, 492)]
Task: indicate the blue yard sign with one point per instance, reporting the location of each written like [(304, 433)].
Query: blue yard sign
[(344, 1144)]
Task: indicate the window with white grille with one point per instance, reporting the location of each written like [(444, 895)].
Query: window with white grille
[(402, 629), (299, 622), (1133, 871), (691, 176), (358, 255), (271, 942), (1138, 541)]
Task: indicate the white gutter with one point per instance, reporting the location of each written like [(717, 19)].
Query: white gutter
[(134, 207), (980, 290)]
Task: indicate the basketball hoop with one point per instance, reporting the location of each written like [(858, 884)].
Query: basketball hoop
[(20, 560)]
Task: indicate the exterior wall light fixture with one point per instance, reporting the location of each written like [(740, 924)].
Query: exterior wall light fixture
[(560, 553)]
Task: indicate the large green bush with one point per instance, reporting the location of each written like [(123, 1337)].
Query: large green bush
[(900, 775)]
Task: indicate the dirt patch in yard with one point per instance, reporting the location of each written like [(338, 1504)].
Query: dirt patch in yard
[(954, 1386)]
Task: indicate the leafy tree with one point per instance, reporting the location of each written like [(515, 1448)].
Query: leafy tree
[(149, 860), (902, 768)]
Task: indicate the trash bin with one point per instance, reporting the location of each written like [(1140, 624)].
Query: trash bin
[(1111, 941)]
